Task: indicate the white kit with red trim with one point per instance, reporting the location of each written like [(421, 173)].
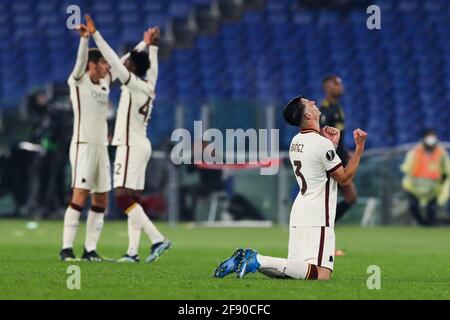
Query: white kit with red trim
[(135, 107), (89, 157), (313, 158), (90, 108)]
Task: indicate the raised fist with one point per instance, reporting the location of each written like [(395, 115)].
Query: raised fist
[(360, 137), (331, 134)]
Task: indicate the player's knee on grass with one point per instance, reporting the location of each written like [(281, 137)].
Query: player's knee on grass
[(99, 201), (79, 197), (323, 274)]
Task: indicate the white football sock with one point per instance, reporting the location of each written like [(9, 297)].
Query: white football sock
[(279, 267), (138, 217), (296, 268), (71, 222), (134, 235), (94, 226)]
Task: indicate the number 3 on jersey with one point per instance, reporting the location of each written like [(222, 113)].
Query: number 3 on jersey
[(298, 166), (145, 108)]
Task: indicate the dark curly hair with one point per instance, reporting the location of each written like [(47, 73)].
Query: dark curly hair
[(141, 62)]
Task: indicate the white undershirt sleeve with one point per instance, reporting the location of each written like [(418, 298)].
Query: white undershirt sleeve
[(152, 73), (141, 46), (82, 59), (108, 53)]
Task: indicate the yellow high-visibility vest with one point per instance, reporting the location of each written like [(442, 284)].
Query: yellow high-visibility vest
[(427, 165)]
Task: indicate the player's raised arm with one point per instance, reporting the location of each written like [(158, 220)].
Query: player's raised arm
[(83, 52), (151, 37), (108, 53), (141, 46), (344, 176)]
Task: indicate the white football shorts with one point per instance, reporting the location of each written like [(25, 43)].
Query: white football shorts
[(314, 245), (91, 169), (130, 166)]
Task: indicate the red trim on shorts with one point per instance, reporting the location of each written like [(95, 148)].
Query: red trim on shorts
[(78, 138), (127, 137), (313, 274), (321, 244), (126, 167), (327, 201)]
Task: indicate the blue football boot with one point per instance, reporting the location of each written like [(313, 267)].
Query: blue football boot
[(158, 249), (249, 264), (230, 265)]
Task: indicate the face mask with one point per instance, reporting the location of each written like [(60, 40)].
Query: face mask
[(430, 141)]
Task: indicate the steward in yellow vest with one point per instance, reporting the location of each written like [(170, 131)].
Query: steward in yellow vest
[(426, 168)]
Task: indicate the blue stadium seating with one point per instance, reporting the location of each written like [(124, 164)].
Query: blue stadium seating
[(397, 79)]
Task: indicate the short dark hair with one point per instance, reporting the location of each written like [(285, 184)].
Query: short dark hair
[(330, 77), (141, 62), (294, 111), (428, 131), (94, 55)]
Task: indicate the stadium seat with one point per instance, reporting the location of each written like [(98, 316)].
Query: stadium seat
[(268, 55)]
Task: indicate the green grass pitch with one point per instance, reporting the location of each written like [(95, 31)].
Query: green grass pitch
[(415, 264)]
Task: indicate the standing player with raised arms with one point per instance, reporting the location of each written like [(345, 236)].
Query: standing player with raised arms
[(130, 136), (318, 169), (89, 91)]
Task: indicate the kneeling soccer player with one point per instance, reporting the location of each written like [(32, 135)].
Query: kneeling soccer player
[(318, 169)]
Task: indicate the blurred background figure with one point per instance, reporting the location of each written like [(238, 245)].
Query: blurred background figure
[(210, 180), (49, 131), (36, 157), (426, 181), (333, 116), (215, 186)]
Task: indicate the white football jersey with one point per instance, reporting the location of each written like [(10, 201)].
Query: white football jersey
[(313, 158), (90, 109), (135, 108)]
